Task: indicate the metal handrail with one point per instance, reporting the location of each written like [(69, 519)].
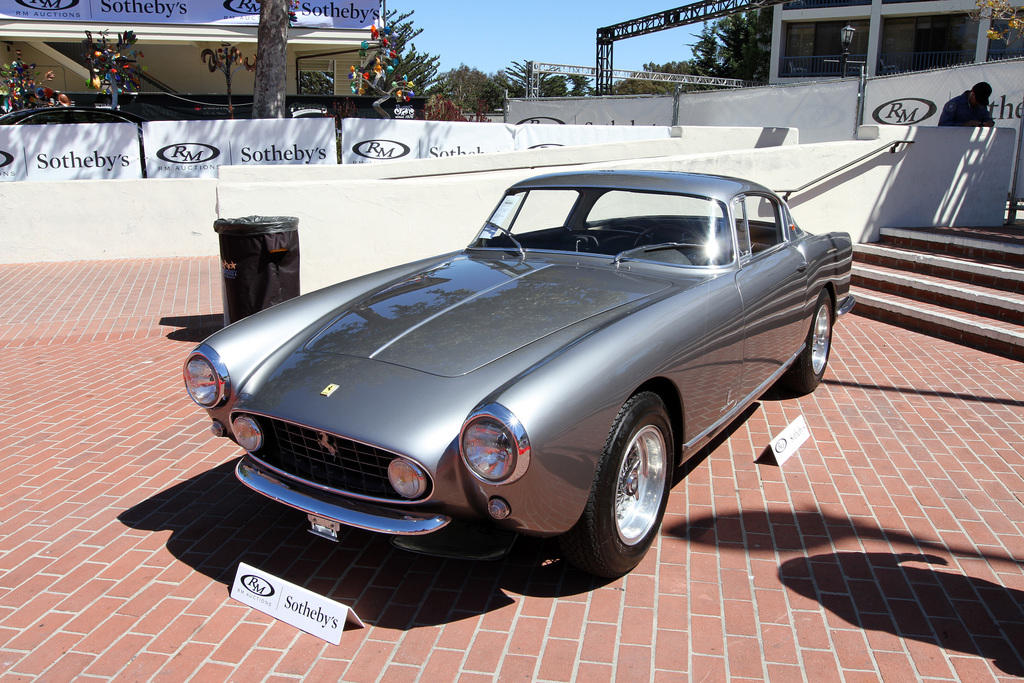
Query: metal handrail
[(891, 146)]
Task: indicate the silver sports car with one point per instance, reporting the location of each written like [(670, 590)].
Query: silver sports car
[(599, 330)]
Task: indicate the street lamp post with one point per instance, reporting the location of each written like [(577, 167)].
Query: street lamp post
[(845, 39)]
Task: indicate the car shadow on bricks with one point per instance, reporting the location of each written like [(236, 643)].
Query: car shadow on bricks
[(216, 522), (902, 594)]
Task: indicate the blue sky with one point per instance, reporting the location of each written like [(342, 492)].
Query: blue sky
[(489, 36)]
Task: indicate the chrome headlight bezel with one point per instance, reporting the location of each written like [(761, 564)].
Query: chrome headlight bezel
[(486, 461), (221, 381)]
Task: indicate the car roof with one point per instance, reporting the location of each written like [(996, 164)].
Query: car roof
[(705, 185), (15, 117)]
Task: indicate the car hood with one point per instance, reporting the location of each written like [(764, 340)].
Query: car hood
[(453, 318)]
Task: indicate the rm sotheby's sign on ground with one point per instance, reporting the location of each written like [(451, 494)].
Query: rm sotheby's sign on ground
[(303, 609)]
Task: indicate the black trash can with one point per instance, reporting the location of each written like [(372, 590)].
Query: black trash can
[(259, 258)]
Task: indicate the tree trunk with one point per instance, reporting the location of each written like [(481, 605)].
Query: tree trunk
[(271, 60)]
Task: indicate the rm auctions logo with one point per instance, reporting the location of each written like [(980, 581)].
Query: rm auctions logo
[(381, 149), (242, 6), (541, 119), (257, 585), (188, 153), (6, 158), (904, 111), (48, 5)]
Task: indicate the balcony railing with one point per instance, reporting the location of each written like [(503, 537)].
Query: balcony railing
[(814, 4), (819, 65), (902, 62), (996, 55)]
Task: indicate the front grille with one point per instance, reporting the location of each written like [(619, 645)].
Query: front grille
[(328, 460)]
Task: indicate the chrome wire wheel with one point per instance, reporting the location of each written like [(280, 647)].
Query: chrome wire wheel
[(641, 485), (821, 337)]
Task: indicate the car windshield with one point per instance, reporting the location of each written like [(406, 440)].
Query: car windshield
[(677, 229)]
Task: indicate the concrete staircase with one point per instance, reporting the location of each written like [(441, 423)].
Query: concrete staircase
[(961, 284)]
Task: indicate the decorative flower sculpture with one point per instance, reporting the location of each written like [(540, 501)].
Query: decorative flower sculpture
[(376, 70), (229, 60), (23, 91), (113, 65)]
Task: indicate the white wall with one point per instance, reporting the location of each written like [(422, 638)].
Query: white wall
[(357, 219), (79, 220)]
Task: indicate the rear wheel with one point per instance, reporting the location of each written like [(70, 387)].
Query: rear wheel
[(629, 494), (806, 372)]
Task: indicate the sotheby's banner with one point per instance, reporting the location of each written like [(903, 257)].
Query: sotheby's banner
[(71, 151), (340, 14), (197, 149)]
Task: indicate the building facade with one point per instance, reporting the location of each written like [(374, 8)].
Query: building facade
[(323, 43), (890, 37)]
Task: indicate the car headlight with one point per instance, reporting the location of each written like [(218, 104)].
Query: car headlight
[(247, 433), (206, 378), (494, 445)]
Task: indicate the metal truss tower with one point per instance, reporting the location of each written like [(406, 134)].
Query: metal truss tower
[(537, 69), (673, 18)]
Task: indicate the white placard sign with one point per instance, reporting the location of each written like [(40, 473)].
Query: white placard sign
[(302, 608), (792, 437), (196, 149), (70, 151)]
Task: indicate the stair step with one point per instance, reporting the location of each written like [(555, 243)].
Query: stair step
[(994, 276), (997, 336), (966, 297), (991, 245)]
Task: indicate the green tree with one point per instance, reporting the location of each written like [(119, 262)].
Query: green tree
[(516, 80), (737, 46), (467, 88), (418, 67), (636, 86)]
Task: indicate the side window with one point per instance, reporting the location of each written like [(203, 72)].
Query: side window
[(759, 223), (739, 212), (764, 219)]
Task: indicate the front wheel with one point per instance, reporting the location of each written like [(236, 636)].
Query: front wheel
[(629, 494), (806, 372)]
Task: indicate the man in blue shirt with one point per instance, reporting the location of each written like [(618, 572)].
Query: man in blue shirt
[(969, 109)]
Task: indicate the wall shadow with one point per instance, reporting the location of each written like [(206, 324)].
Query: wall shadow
[(887, 592), (194, 328), (216, 522)]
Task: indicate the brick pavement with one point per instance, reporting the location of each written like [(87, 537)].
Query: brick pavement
[(891, 547)]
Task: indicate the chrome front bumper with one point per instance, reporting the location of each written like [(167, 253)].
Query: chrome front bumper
[(846, 306), (342, 510)]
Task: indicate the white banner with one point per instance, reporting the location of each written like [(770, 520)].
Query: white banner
[(593, 111), (822, 111), (541, 135), (70, 151), (375, 140), (340, 14), (196, 149), (917, 99)]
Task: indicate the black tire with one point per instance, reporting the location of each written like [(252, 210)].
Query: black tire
[(806, 372), (624, 512)]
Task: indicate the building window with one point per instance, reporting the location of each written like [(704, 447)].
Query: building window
[(933, 42), (814, 48)]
